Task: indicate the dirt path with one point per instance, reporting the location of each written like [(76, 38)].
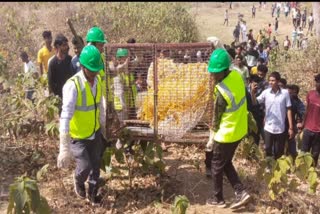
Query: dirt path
[(192, 182)]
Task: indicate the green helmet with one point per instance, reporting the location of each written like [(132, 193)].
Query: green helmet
[(219, 61), (122, 52), (90, 58), (95, 34)]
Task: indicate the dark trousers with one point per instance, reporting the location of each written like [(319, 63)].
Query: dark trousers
[(29, 92), (311, 143), (208, 159), (291, 146), (87, 154), (104, 144), (256, 136), (274, 144), (222, 162)]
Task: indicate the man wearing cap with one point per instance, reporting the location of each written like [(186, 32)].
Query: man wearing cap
[(80, 123), (229, 126), (95, 37), (125, 90)]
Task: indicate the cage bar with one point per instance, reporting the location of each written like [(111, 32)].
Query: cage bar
[(174, 81)]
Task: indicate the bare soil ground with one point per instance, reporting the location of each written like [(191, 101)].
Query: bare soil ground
[(151, 193)]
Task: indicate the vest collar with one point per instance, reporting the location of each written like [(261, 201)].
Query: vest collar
[(84, 79)]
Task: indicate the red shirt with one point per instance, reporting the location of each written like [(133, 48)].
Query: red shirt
[(269, 31), (312, 121)]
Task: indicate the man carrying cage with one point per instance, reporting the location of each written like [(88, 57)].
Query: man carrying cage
[(229, 126)]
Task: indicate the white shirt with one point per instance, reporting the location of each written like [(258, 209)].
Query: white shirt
[(226, 16), (243, 27), (310, 18), (294, 13), (304, 44), (69, 99), (276, 105), (29, 67)]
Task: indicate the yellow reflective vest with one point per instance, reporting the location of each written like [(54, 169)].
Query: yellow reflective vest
[(234, 121), (86, 118), (104, 80), (130, 94)]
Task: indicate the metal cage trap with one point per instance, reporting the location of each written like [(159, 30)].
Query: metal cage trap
[(160, 91)]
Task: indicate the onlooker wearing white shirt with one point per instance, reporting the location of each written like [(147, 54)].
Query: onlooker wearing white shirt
[(310, 23), (31, 74), (277, 107), (243, 29)]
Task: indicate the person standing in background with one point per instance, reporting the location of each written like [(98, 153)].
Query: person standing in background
[(60, 67), (226, 18), (45, 53), (311, 123), (253, 10), (276, 26), (31, 74), (77, 44)]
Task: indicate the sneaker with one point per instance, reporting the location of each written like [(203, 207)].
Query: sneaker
[(93, 196), (242, 198), (215, 202), (79, 189), (95, 200), (208, 173)]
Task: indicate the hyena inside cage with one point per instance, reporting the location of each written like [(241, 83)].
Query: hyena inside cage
[(161, 89)]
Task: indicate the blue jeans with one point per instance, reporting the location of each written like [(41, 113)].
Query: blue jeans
[(311, 143), (87, 154)]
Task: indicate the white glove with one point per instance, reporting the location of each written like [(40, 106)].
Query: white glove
[(209, 145), (104, 131), (64, 156), (103, 116), (118, 144), (46, 93)]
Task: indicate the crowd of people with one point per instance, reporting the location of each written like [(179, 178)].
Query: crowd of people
[(300, 21)]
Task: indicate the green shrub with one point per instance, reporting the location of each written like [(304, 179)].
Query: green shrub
[(147, 21)]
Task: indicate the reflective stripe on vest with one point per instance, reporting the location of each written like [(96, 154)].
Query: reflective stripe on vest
[(86, 118), (130, 96), (234, 106), (234, 121)]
